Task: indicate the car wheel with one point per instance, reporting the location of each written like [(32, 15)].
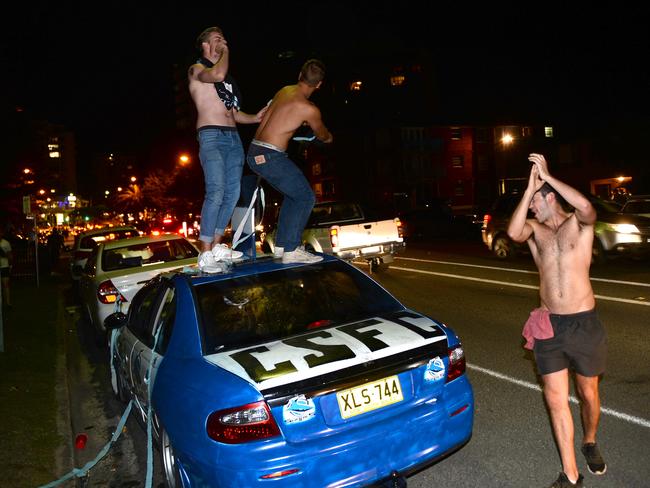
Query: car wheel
[(377, 265), (598, 254), (502, 247), (170, 464)]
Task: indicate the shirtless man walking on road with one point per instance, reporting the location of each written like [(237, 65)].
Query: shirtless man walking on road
[(288, 111), (561, 245)]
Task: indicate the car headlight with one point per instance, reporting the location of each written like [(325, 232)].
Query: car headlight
[(625, 228)]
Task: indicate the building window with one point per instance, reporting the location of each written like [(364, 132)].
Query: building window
[(315, 169), (318, 189), (482, 135), (459, 189), (482, 163), (356, 85), (456, 133), (548, 131), (525, 132), (397, 80), (457, 161)]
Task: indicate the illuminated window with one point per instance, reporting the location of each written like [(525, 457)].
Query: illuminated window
[(456, 133), (457, 161), (55, 154), (356, 85), (397, 80), (548, 131), (318, 189), (315, 169)]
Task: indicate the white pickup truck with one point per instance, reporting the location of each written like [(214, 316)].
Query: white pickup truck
[(342, 229)]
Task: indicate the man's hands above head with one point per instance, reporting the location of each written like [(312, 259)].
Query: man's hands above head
[(539, 162), (534, 180)]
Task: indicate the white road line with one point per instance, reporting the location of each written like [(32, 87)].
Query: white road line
[(514, 270), (516, 285), (532, 386)]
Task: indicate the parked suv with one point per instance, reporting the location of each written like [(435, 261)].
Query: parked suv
[(615, 233)]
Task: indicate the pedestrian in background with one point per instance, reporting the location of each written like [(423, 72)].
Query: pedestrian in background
[(290, 110), (565, 331), (6, 258), (217, 100)]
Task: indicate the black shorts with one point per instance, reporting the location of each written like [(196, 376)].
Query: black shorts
[(579, 341)]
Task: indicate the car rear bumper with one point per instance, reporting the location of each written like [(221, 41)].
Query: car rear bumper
[(359, 457), (370, 252)]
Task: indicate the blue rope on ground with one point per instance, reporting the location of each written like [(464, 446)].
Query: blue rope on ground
[(79, 472)]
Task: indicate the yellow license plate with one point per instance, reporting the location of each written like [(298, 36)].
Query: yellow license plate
[(369, 396)]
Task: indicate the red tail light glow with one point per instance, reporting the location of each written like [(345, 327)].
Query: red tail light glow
[(456, 363), (400, 229), (486, 219), (107, 293), (247, 423), (279, 474)]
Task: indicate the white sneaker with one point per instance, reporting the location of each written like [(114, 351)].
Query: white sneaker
[(208, 264), (278, 252), (300, 256), (221, 251)]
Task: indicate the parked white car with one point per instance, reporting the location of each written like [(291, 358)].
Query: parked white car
[(85, 242), (116, 270)]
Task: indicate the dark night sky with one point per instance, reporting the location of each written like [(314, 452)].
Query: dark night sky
[(103, 69)]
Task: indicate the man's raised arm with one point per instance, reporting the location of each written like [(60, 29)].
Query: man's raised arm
[(584, 210)]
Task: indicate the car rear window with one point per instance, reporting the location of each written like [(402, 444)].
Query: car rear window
[(91, 242), (334, 212), (147, 253), (247, 310)]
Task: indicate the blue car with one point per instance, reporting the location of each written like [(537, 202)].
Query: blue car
[(289, 375)]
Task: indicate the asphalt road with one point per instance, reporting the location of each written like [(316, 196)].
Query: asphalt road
[(486, 301)]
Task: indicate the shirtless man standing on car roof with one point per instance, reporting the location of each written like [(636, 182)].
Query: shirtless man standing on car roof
[(289, 110)]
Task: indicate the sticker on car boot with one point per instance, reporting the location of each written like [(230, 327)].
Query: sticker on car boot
[(435, 370), (298, 409)]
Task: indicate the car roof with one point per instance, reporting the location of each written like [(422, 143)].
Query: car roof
[(263, 264), (116, 243), (106, 230)]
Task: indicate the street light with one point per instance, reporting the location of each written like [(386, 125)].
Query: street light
[(507, 139), (184, 160)]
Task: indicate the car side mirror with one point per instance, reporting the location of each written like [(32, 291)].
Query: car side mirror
[(115, 321)]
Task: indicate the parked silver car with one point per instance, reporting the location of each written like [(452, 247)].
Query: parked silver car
[(615, 233)]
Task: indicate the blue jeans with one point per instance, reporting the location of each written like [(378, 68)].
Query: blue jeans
[(222, 159), (283, 175)]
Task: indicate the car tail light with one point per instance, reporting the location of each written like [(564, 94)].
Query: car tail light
[(155, 232), (250, 422), (107, 293), (486, 219), (400, 229), (456, 363), (334, 236)]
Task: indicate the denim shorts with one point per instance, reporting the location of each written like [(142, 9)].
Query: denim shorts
[(579, 341)]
